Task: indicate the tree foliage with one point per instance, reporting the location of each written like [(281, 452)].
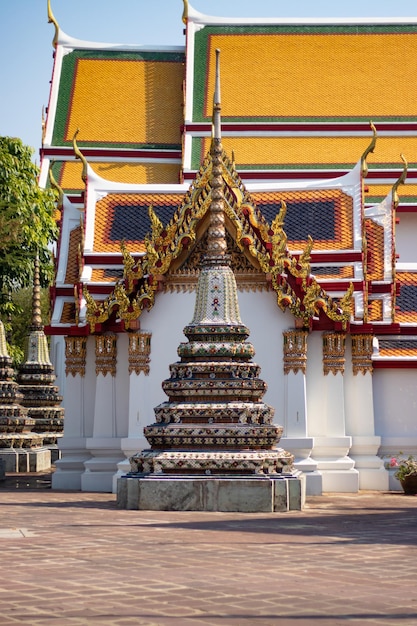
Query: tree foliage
[(27, 225)]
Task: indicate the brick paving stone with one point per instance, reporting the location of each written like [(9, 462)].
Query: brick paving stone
[(74, 559)]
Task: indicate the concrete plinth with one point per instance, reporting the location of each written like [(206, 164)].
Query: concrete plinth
[(26, 459), (194, 493)]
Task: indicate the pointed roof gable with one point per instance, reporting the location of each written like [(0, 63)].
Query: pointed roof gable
[(265, 243)]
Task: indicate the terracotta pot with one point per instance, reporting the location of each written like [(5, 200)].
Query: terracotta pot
[(409, 484)]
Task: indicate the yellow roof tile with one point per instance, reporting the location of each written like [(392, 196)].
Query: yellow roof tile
[(277, 74), (313, 150), (136, 102), (120, 172)]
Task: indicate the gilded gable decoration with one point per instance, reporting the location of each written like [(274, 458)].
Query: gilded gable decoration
[(168, 246), (139, 352), (334, 353), (75, 355), (295, 351), (362, 349), (106, 354)]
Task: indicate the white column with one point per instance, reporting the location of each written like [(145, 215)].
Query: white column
[(332, 448), (104, 444), (360, 422), (139, 350), (77, 426), (296, 438)]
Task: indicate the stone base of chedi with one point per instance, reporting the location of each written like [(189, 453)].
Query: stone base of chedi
[(21, 450)]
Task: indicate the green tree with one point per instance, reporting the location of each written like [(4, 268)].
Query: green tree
[(27, 225)]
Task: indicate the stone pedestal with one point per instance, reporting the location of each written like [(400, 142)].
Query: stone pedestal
[(25, 460), (244, 494)]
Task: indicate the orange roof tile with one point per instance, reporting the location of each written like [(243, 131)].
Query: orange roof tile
[(280, 65)]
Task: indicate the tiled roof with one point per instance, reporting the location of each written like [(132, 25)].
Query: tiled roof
[(124, 217), (71, 274), (68, 173), (375, 249), (375, 310), (395, 348), (68, 313), (275, 70), (332, 272), (326, 215), (106, 275), (120, 99), (299, 151), (407, 300)]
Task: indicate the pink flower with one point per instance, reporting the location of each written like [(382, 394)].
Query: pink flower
[(393, 462)]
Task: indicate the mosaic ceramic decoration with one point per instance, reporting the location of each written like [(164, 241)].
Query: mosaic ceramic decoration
[(215, 421)]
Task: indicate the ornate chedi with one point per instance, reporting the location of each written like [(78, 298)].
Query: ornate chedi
[(215, 421), (36, 377), (16, 437)]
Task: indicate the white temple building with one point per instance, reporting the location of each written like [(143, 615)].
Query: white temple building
[(321, 216)]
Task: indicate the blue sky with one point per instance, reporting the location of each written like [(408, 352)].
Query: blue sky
[(26, 38)]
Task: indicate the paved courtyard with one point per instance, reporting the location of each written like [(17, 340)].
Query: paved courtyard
[(70, 558)]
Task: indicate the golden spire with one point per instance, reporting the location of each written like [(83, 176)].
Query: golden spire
[(400, 181), (36, 298), (79, 155), (217, 100), (52, 20), (369, 149), (216, 241)]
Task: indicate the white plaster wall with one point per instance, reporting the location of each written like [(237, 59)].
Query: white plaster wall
[(266, 322), (165, 321), (395, 402), (405, 241), (359, 408)]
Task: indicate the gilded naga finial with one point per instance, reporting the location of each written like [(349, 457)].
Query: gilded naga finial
[(369, 149), (185, 12), (79, 155), (52, 20), (55, 185), (400, 181)]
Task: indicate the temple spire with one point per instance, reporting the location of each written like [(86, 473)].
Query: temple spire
[(36, 299), (217, 100), (216, 241)]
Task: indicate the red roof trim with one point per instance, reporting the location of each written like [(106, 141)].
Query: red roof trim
[(383, 365)]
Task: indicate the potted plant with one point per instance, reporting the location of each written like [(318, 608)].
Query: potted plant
[(406, 472)]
